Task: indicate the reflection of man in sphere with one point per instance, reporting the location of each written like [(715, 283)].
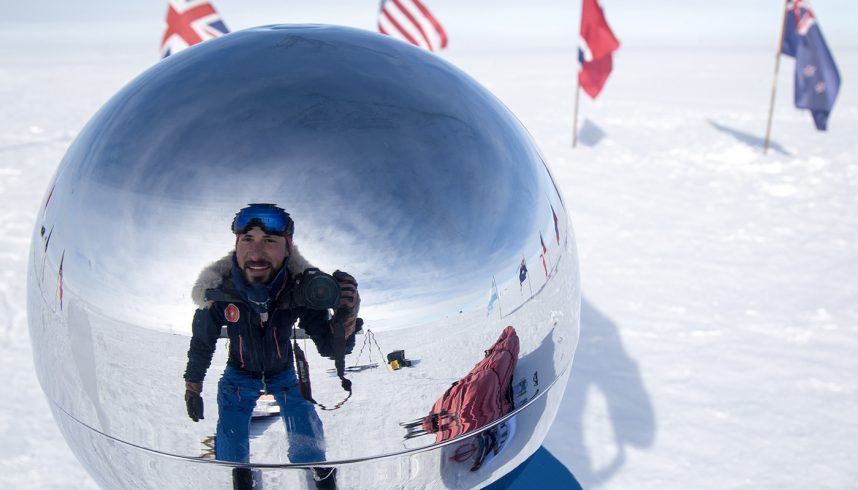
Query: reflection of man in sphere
[(255, 291)]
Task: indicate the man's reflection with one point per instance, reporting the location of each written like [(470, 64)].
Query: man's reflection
[(258, 292)]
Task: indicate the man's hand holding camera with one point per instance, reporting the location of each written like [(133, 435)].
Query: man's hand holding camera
[(347, 311)]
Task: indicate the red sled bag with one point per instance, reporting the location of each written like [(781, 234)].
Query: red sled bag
[(481, 397)]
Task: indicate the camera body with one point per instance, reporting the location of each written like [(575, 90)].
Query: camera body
[(316, 290)]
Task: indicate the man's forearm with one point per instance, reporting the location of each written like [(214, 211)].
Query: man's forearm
[(199, 360)]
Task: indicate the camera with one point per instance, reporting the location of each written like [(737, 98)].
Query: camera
[(316, 290)]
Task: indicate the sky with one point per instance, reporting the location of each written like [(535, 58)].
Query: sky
[(658, 23)]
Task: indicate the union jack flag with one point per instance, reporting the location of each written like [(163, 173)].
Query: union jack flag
[(411, 21), (190, 22)]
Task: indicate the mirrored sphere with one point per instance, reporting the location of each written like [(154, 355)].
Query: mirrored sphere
[(397, 168)]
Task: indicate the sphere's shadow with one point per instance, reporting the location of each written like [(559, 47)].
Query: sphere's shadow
[(601, 366), (540, 469)]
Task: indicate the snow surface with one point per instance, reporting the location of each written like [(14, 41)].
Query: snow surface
[(719, 339)]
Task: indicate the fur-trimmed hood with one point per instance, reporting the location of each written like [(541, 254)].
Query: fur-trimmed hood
[(215, 273)]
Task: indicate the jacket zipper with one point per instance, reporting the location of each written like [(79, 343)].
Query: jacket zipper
[(277, 343), (264, 340), (241, 350)]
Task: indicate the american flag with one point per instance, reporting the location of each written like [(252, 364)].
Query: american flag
[(190, 22), (411, 21)]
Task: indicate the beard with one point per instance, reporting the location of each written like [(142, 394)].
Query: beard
[(258, 271)]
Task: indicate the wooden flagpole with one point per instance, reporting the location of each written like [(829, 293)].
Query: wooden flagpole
[(775, 80), (528, 278), (575, 124), (577, 86)]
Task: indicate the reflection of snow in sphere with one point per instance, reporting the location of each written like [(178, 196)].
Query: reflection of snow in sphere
[(395, 166)]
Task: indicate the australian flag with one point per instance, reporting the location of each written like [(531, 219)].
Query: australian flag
[(817, 80)]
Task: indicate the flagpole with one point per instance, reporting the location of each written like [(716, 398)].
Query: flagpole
[(528, 278), (775, 80), (549, 262), (575, 123), (577, 85), (495, 284)]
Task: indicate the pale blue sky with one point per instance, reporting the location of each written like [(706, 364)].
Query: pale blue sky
[(691, 22)]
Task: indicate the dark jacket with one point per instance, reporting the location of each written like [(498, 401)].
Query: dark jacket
[(255, 346)]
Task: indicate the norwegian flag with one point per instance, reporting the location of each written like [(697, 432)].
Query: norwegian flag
[(411, 21), (597, 44), (190, 22)]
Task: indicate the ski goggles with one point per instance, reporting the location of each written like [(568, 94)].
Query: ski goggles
[(268, 217)]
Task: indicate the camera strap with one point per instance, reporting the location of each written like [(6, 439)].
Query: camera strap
[(302, 368), (339, 330)]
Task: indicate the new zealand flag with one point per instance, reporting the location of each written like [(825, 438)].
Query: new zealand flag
[(816, 77)]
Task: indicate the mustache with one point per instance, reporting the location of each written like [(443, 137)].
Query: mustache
[(258, 263)]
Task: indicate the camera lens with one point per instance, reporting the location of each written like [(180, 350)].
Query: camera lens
[(321, 292)]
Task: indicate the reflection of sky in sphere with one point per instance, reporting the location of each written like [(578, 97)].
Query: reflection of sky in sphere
[(408, 175), (396, 167)]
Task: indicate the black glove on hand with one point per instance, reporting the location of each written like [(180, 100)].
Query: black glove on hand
[(349, 297), (349, 301), (193, 400)]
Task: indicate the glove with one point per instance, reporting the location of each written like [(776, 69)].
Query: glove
[(193, 400), (349, 302), (349, 297)]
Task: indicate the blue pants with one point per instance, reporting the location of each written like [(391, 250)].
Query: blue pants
[(237, 393)]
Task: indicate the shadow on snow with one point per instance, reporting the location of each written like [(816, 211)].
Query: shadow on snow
[(541, 469), (749, 139), (602, 365), (590, 134)]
